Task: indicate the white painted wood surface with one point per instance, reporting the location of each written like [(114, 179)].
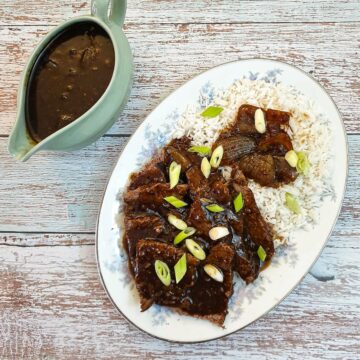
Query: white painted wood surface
[(52, 304), (167, 55)]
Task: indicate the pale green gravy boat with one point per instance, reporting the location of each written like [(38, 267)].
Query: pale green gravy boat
[(101, 116)]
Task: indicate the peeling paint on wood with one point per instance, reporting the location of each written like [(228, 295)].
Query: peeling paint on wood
[(62, 191), (187, 11), (328, 51), (51, 302)]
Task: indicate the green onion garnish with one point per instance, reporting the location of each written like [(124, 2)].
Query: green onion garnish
[(174, 201), (217, 156), (201, 150), (291, 203), (303, 164), (214, 272), (292, 158), (195, 249), (238, 202), (212, 111), (180, 268), (178, 223), (215, 208), (205, 167), (261, 253), (174, 174), (163, 272), (183, 235)]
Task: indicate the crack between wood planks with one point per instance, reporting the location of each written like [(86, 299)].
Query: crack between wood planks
[(200, 23), (49, 232), (46, 245)]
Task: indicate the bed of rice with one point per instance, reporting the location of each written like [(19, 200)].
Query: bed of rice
[(310, 134)]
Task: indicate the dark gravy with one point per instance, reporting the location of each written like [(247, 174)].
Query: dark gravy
[(68, 78)]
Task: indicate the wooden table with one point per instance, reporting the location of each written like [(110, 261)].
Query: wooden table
[(52, 304)]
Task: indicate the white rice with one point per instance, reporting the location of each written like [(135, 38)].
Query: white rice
[(311, 134)]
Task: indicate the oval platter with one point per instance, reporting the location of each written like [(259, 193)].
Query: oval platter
[(290, 264)]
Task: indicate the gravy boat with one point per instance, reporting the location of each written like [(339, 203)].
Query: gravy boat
[(101, 116)]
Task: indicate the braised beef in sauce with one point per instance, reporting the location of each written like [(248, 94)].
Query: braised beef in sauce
[(149, 236), (68, 78)]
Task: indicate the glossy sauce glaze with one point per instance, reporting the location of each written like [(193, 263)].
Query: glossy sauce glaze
[(149, 236), (68, 78)]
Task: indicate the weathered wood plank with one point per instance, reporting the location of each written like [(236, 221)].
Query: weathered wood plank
[(52, 303), (62, 192), (56, 192), (187, 11), (168, 55)]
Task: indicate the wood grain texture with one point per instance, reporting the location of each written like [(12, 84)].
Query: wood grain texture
[(62, 192), (168, 55), (52, 300), (56, 192), (52, 304), (28, 12)]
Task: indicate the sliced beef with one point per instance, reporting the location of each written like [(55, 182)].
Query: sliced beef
[(152, 174), (208, 298), (259, 231), (180, 156), (245, 121), (149, 286), (197, 182), (219, 191), (247, 263), (139, 226), (278, 144), (152, 197), (197, 218), (238, 179), (260, 168), (276, 120), (177, 150), (284, 172), (267, 170), (235, 147)]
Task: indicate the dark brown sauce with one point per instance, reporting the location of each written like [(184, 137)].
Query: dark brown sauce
[(68, 78), (146, 215)]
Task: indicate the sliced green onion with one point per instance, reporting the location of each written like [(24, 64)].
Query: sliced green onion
[(214, 272), (205, 167), (260, 124), (261, 253), (201, 150), (291, 203), (183, 235), (174, 201), (218, 232), (180, 269), (303, 164), (238, 202), (205, 201), (292, 158), (215, 208), (212, 111), (195, 249), (178, 223), (163, 272), (217, 156), (174, 174)]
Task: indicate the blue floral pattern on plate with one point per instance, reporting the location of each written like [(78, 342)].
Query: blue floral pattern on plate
[(158, 138), (248, 302)]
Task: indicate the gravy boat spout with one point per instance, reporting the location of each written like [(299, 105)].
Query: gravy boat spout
[(98, 119)]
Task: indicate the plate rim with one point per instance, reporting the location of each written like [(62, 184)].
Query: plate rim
[(344, 134)]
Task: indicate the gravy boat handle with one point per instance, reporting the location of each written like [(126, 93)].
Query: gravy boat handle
[(109, 11)]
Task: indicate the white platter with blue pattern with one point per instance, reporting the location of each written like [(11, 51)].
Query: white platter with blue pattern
[(290, 264)]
